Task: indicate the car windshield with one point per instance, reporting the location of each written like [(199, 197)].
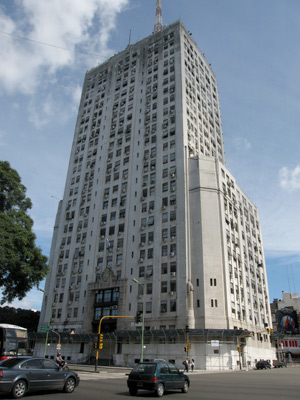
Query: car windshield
[(145, 368)]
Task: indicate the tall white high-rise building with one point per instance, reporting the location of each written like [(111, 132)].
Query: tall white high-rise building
[(148, 197)]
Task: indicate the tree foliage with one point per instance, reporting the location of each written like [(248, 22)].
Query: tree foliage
[(22, 264), (17, 316)]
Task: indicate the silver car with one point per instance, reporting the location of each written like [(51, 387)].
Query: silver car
[(20, 375)]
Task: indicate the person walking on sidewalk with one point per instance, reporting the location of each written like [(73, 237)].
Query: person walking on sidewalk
[(192, 364), (186, 365)]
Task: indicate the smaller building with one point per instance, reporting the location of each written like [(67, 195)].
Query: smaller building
[(285, 318)]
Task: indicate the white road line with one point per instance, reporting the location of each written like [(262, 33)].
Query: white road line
[(95, 376)]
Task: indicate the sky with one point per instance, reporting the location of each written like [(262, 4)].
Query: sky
[(254, 49)]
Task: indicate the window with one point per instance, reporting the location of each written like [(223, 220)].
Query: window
[(34, 364), (163, 306), (173, 286), (172, 305), (115, 294), (164, 268), (173, 215), (149, 271), (119, 259), (107, 296), (164, 287), (164, 251), (149, 288), (213, 282), (214, 303), (173, 249), (165, 217), (151, 220), (148, 307)]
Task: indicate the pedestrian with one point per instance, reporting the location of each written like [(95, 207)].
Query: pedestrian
[(186, 365), (193, 364)]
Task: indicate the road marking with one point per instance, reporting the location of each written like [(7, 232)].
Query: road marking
[(100, 376)]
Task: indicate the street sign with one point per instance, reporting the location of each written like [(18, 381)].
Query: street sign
[(44, 328), (215, 343)]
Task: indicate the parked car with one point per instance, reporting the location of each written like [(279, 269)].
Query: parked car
[(20, 375), (158, 376), (279, 364), (262, 364)]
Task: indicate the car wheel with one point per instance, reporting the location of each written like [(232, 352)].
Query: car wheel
[(133, 391), (69, 385), (160, 390), (19, 389), (185, 388)]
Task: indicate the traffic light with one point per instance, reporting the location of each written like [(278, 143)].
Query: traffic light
[(138, 317), (186, 349), (187, 329), (101, 341), (99, 345), (190, 346)]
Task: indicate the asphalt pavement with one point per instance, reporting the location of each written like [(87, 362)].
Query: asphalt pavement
[(91, 369)]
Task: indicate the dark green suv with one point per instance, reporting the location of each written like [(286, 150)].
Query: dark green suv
[(159, 376)]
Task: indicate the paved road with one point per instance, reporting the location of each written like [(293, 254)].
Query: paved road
[(274, 384)]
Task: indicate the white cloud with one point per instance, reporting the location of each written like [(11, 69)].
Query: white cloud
[(40, 114), (290, 178), (76, 96), (66, 24), (242, 144)]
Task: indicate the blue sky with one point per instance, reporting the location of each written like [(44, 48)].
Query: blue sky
[(254, 49)]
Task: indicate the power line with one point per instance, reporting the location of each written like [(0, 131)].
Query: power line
[(50, 45)]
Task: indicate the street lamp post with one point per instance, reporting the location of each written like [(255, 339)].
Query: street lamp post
[(48, 328), (56, 333), (143, 317)]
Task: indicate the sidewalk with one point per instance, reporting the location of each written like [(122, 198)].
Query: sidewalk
[(88, 369), (100, 368)]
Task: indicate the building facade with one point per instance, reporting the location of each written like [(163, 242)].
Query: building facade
[(148, 197), (285, 317)]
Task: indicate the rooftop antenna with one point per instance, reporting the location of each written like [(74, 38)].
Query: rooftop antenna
[(158, 19), (129, 42)]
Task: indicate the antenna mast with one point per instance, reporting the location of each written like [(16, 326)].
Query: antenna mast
[(158, 20)]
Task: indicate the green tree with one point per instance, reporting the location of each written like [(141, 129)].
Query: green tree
[(22, 264), (17, 316)]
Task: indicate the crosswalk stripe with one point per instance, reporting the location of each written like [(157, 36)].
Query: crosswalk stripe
[(95, 376)]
